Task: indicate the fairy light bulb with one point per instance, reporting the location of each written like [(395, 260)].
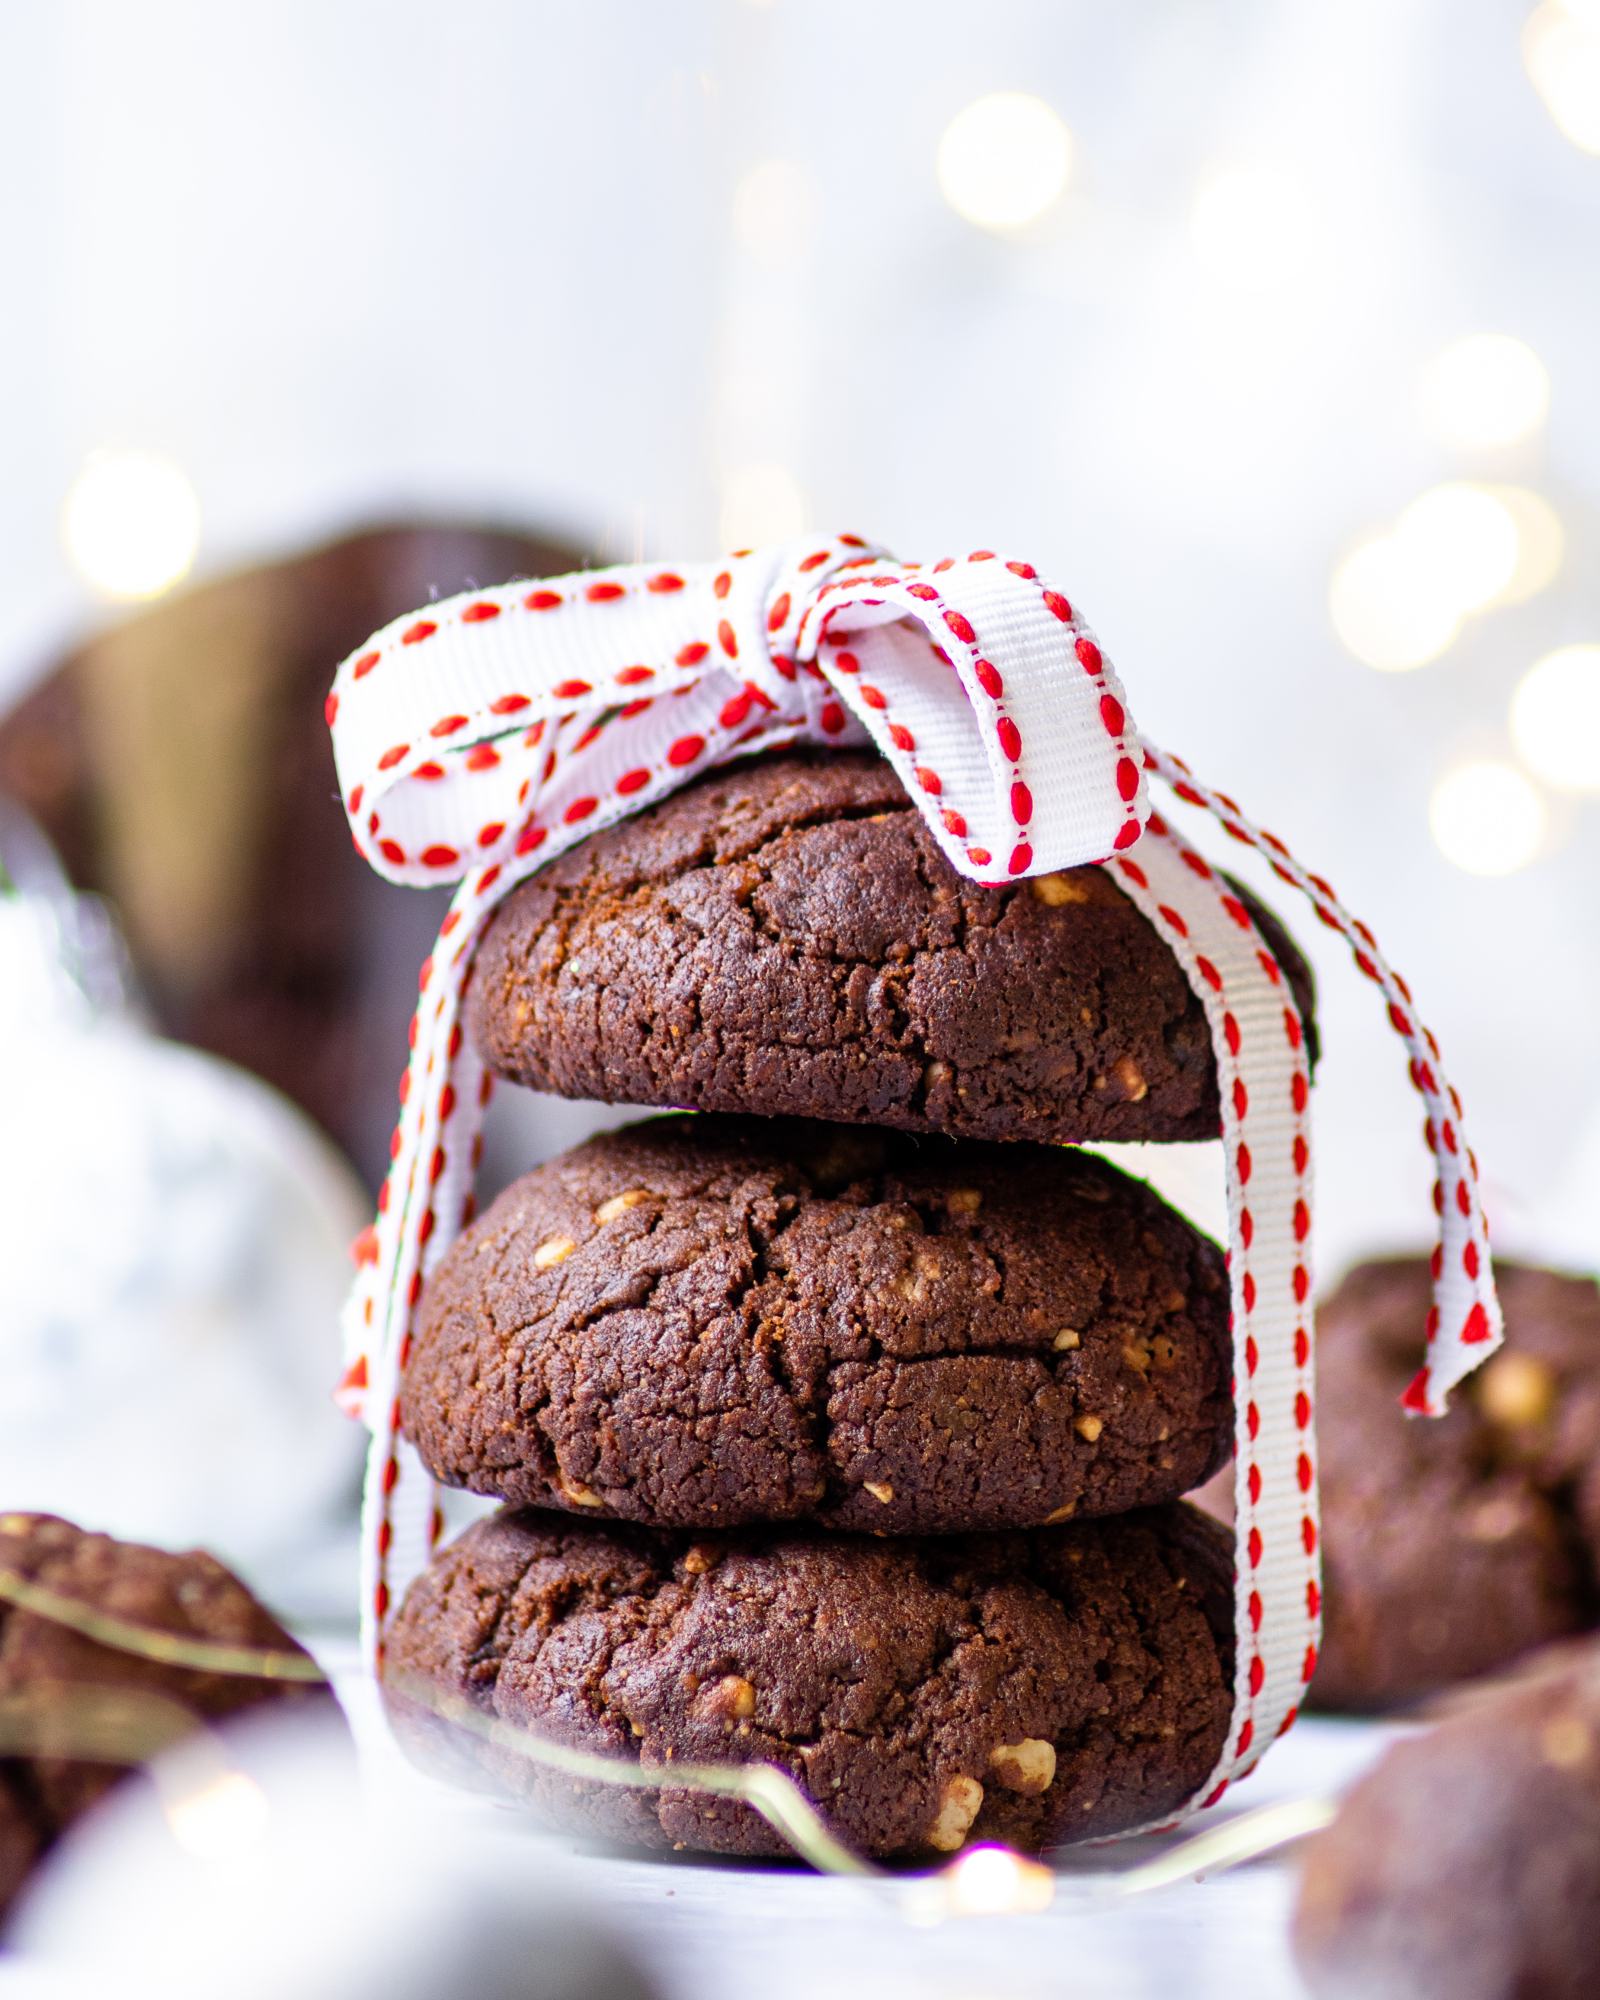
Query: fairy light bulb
[(995, 1882), (1487, 818), (221, 1818), (1561, 52), (1386, 613), (1555, 718), (131, 523), (1004, 160), (1484, 391), (1253, 226)]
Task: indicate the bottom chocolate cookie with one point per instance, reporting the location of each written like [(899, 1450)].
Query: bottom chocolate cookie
[(1029, 1688)]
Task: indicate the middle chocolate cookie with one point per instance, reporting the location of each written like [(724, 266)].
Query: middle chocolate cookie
[(702, 1321)]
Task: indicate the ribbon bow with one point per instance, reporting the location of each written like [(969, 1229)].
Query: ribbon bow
[(477, 739)]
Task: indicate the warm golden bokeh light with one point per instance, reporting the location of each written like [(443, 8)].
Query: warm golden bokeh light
[(1487, 818), (1483, 391), (1381, 613), (1004, 160), (131, 523), (1555, 718), (1561, 49)]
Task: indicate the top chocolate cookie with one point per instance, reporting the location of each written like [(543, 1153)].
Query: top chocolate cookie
[(784, 937)]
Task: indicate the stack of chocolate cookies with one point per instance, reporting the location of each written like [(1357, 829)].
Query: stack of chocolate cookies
[(841, 1426)]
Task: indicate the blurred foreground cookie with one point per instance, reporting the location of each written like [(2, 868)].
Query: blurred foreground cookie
[(702, 1321), (1028, 1688), (1468, 1863), (1452, 1546), (63, 1692), (785, 937)]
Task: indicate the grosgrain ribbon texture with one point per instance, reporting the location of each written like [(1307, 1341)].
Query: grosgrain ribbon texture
[(480, 737)]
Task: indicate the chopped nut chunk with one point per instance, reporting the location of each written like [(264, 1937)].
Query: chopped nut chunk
[(608, 1211), (879, 1489), (963, 1201), (554, 1250), (1089, 1428), (1068, 1337), (1131, 1077), (963, 1798), (1058, 889), (1028, 1766), (580, 1496)]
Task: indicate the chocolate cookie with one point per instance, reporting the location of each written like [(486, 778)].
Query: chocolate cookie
[(1453, 1545), (1468, 1862), (702, 1321), (785, 937), (56, 1683), (1029, 1688)]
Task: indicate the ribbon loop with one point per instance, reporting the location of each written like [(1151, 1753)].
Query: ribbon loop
[(466, 734)]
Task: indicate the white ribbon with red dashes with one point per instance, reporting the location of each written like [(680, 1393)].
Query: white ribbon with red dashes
[(479, 738)]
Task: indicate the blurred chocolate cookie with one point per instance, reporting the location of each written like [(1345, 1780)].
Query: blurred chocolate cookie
[(179, 763), (1468, 1862), (1451, 1546), (785, 937), (66, 1694)]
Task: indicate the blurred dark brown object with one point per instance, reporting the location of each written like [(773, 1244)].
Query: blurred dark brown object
[(102, 1672), (180, 763), (1452, 1546), (1467, 1863)]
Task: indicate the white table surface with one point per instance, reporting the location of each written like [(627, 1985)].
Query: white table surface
[(716, 1930)]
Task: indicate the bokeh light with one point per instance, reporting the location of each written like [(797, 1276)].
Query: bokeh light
[(1561, 49), (1459, 543), (1555, 718), (761, 503), (1487, 817), (131, 523), (1399, 597), (1381, 614), (1541, 542), (1004, 160), (995, 1882), (1483, 391), (1253, 226)]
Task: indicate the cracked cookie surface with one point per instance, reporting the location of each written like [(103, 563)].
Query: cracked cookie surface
[(784, 937), (925, 1693), (703, 1321), (54, 1679), (1452, 1545)]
